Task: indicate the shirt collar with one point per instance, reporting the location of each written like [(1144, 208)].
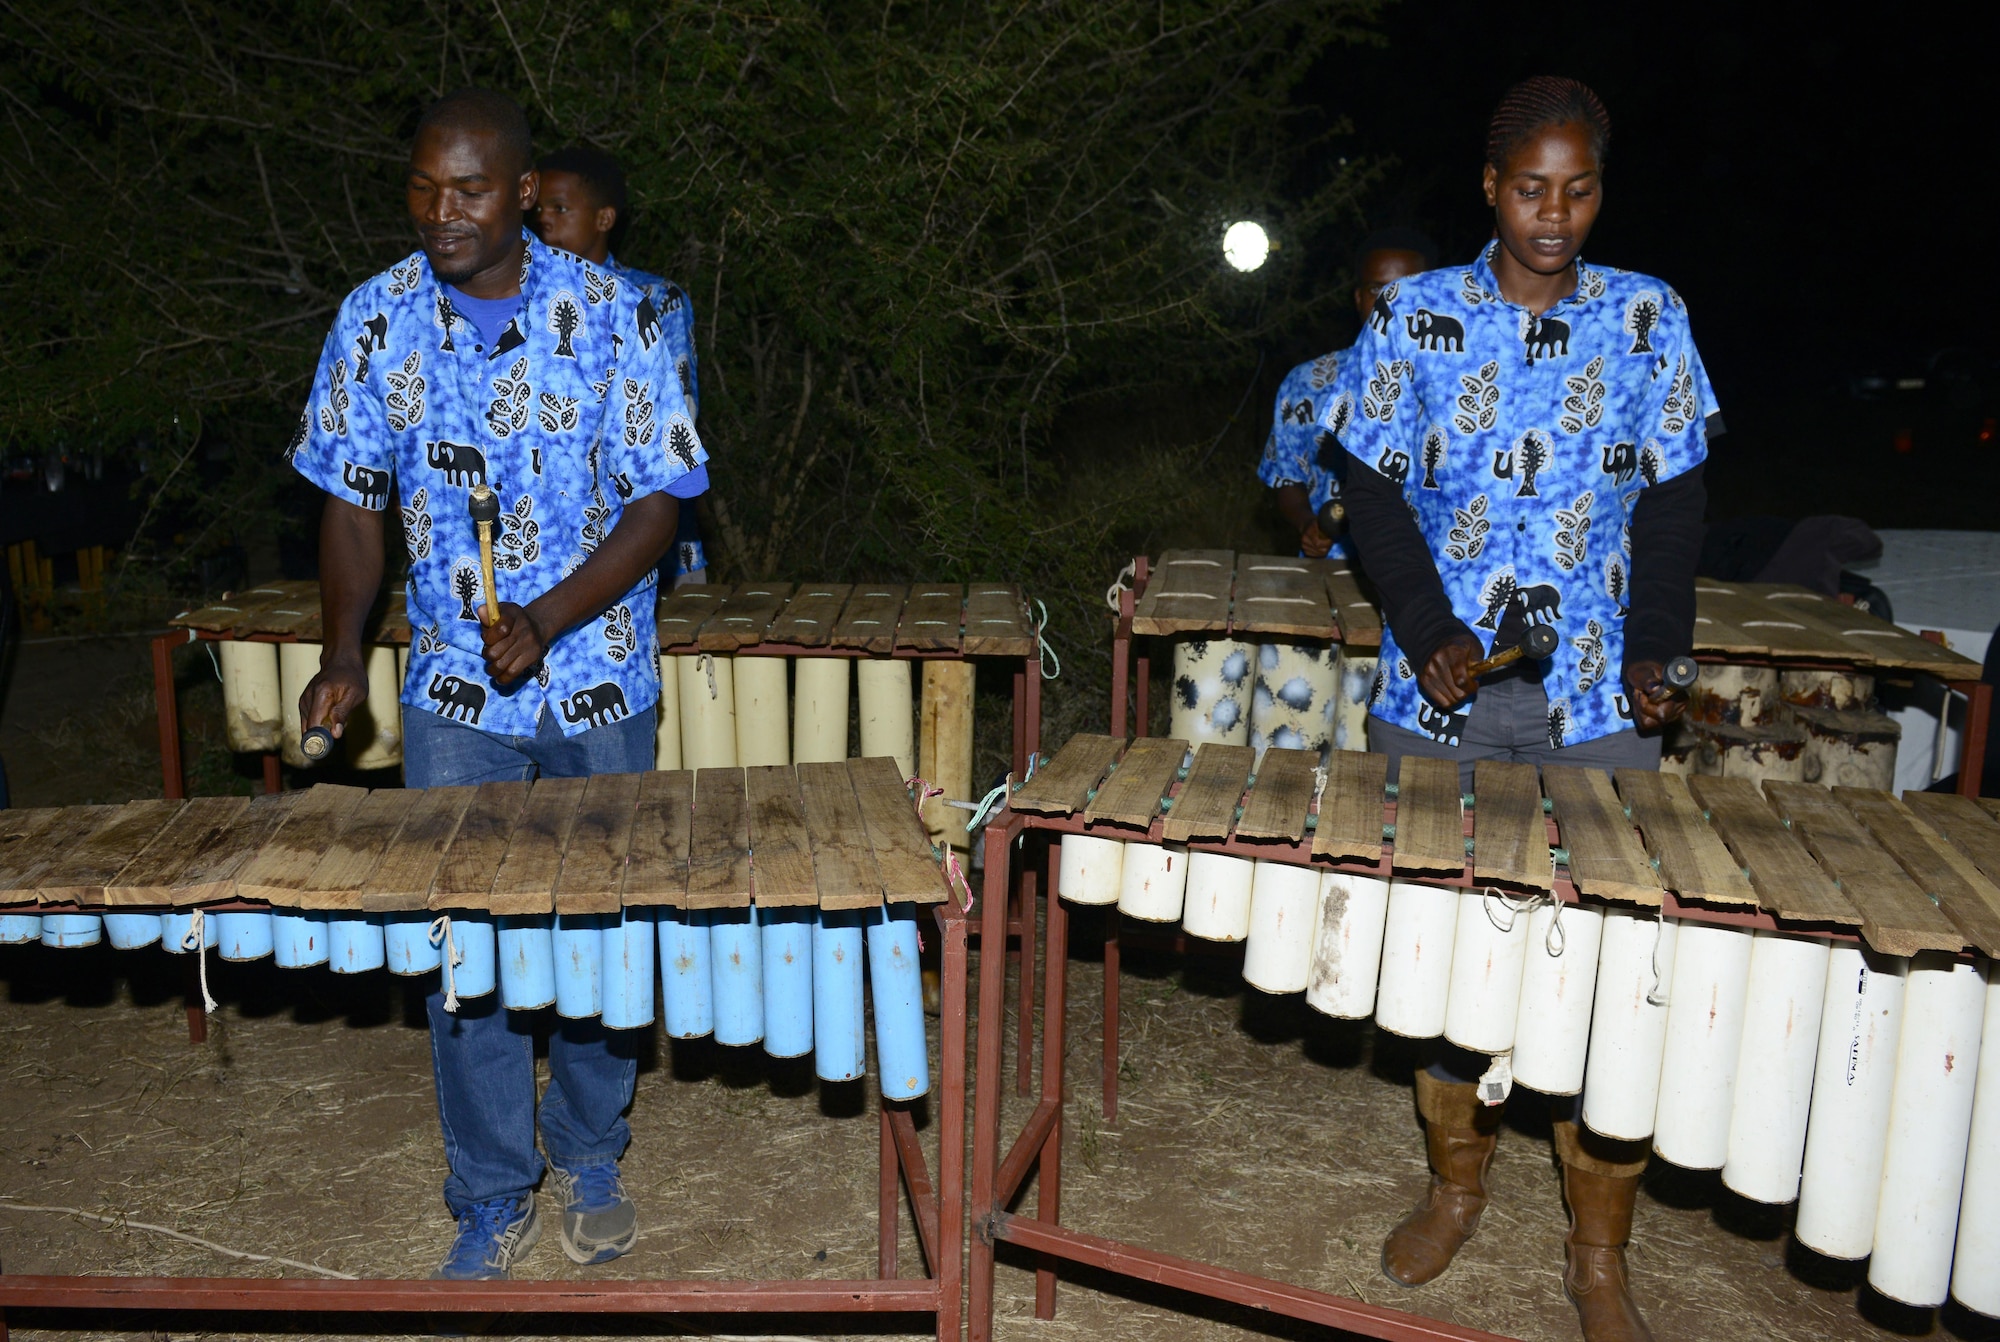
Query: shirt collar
[(1488, 284)]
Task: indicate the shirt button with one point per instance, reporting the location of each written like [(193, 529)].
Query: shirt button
[(1520, 526), (479, 349)]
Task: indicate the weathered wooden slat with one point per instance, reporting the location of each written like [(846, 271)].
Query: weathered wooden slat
[(1355, 608), (1285, 595), (903, 857), (744, 618), (235, 607), (1715, 635), (1206, 806), (997, 623), (79, 877), (1510, 839), (465, 878), (781, 867), (1131, 795), (1781, 632), (682, 612), (337, 879), (280, 868), (1963, 824), (1350, 807), (151, 876), (1280, 796), (1693, 861), (1971, 901), (1062, 786), (808, 618), (869, 619), (1896, 917), (401, 881), (1188, 593), (526, 881), (843, 863), (23, 837), (593, 865), (657, 862), (933, 619), (1789, 884), (719, 850), (1605, 858), (1990, 805), (1430, 816), (291, 615), (1871, 642), (31, 857)]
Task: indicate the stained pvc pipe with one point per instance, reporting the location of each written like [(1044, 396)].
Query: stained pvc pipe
[(1284, 913), (1704, 1031), (667, 728), (888, 711), (763, 722), (298, 938), (629, 940), (787, 936), (1628, 1024), (1417, 941), (125, 931), (1558, 980), (577, 946), (1975, 1273), (18, 929), (526, 948), (838, 1044), (1217, 907), (1847, 1129), (819, 709), (1489, 952), (1774, 1066), (243, 936), (1091, 870), (476, 939), (736, 959), (174, 930), (1347, 951), (72, 931), (406, 944), (1152, 882), (687, 990), (896, 984), (354, 943)]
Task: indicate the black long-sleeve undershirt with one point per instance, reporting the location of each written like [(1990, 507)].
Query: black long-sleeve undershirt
[(1667, 533)]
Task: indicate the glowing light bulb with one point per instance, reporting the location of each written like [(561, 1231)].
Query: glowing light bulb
[(1246, 245)]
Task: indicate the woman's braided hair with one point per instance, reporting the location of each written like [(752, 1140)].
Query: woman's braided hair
[(1538, 103)]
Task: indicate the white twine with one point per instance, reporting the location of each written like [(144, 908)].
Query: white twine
[(441, 932), (1654, 998), (197, 935), (1126, 577), (1555, 941), (1042, 646), (708, 665)]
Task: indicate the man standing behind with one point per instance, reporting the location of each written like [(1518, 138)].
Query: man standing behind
[(488, 359), (582, 210)]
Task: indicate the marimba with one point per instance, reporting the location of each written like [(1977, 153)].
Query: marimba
[(1789, 984)]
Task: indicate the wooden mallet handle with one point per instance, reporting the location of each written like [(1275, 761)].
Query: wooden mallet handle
[(484, 507), (1538, 643)]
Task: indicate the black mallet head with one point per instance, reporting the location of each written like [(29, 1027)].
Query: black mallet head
[(316, 744), (1331, 518), (483, 505), (1681, 673), (1540, 642)]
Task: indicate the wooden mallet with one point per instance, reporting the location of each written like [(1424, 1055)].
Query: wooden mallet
[(316, 744), (1538, 643), (1331, 519), (1680, 674), (484, 507)]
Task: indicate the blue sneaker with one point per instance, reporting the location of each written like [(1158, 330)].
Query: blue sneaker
[(492, 1237), (599, 1222)]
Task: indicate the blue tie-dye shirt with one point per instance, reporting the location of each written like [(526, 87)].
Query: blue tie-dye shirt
[(675, 315), (1293, 453), (575, 410), (1521, 444)]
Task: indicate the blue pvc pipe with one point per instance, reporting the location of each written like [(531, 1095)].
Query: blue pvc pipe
[(527, 961), (737, 962), (839, 1049), (687, 991), (298, 938), (788, 980), (628, 970), (579, 952), (242, 936), (70, 931), (354, 942), (174, 929), (18, 929), (897, 985), (125, 931), (478, 969), (406, 943)]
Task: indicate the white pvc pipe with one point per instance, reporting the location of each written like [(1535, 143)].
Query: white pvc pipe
[(1930, 1119), (1284, 912), (1154, 880), (763, 726), (819, 710), (1488, 954), (1975, 1273), (1774, 1066), (374, 733), (1704, 1032), (1628, 1024), (1417, 941), (1552, 1027), (298, 663), (1091, 869), (1347, 952), (708, 712), (888, 712), (1218, 897), (252, 714), (1847, 1129), (667, 734)]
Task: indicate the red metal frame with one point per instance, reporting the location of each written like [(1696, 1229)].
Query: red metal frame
[(939, 1210)]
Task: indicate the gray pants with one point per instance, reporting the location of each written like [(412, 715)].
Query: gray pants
[(1510, 721)]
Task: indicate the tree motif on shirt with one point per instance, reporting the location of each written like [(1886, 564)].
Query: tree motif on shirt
[(403, 279), (520, 543), (465, 586), (1584, 406), (1378, 401), (1479, 405), (680, 441), (444, 315), (1340, 414), (1530, 456), (1615, 582), (333, 413), (1559, 724), (598, 287), (1434, 446), (1468, 530), (1642, 315), (639, 425), (299, 436), (405, 401), (429, 640), (1649, 464), (1573, 531), (685, 372), (1496, 596), (565, 319), (619, 640), (1679, 410), (417, 525), (508, 414), (1590, 656)]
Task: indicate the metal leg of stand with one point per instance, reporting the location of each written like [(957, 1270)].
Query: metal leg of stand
[(1048, 1184), (191, 989), (1112, 960)]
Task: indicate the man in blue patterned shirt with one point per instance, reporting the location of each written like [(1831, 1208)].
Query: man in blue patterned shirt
[(488, 358)]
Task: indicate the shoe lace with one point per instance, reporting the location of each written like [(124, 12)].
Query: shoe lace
[(480, 1227), (594, 1186)]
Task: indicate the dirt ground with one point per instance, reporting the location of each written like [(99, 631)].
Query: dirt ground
[(1252, 1133)]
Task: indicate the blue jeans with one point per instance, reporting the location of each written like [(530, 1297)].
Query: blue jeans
[(484, 1056)]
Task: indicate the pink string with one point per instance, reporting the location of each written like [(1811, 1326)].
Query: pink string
[(953, 873)]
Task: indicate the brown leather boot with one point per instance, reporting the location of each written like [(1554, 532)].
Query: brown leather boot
[(1460, 1134), (1599, 1187)]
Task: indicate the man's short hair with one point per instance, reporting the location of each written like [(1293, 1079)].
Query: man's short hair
[(598, 171), (1398, 239), (478, 109)]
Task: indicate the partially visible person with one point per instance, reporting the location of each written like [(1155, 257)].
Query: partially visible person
[(584, 210), (1302, 460)]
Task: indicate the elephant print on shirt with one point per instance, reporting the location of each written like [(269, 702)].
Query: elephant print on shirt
[(1435, 332), (371, 485), (602, 704), (462, 463), (457, 698), (1545, 337)]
